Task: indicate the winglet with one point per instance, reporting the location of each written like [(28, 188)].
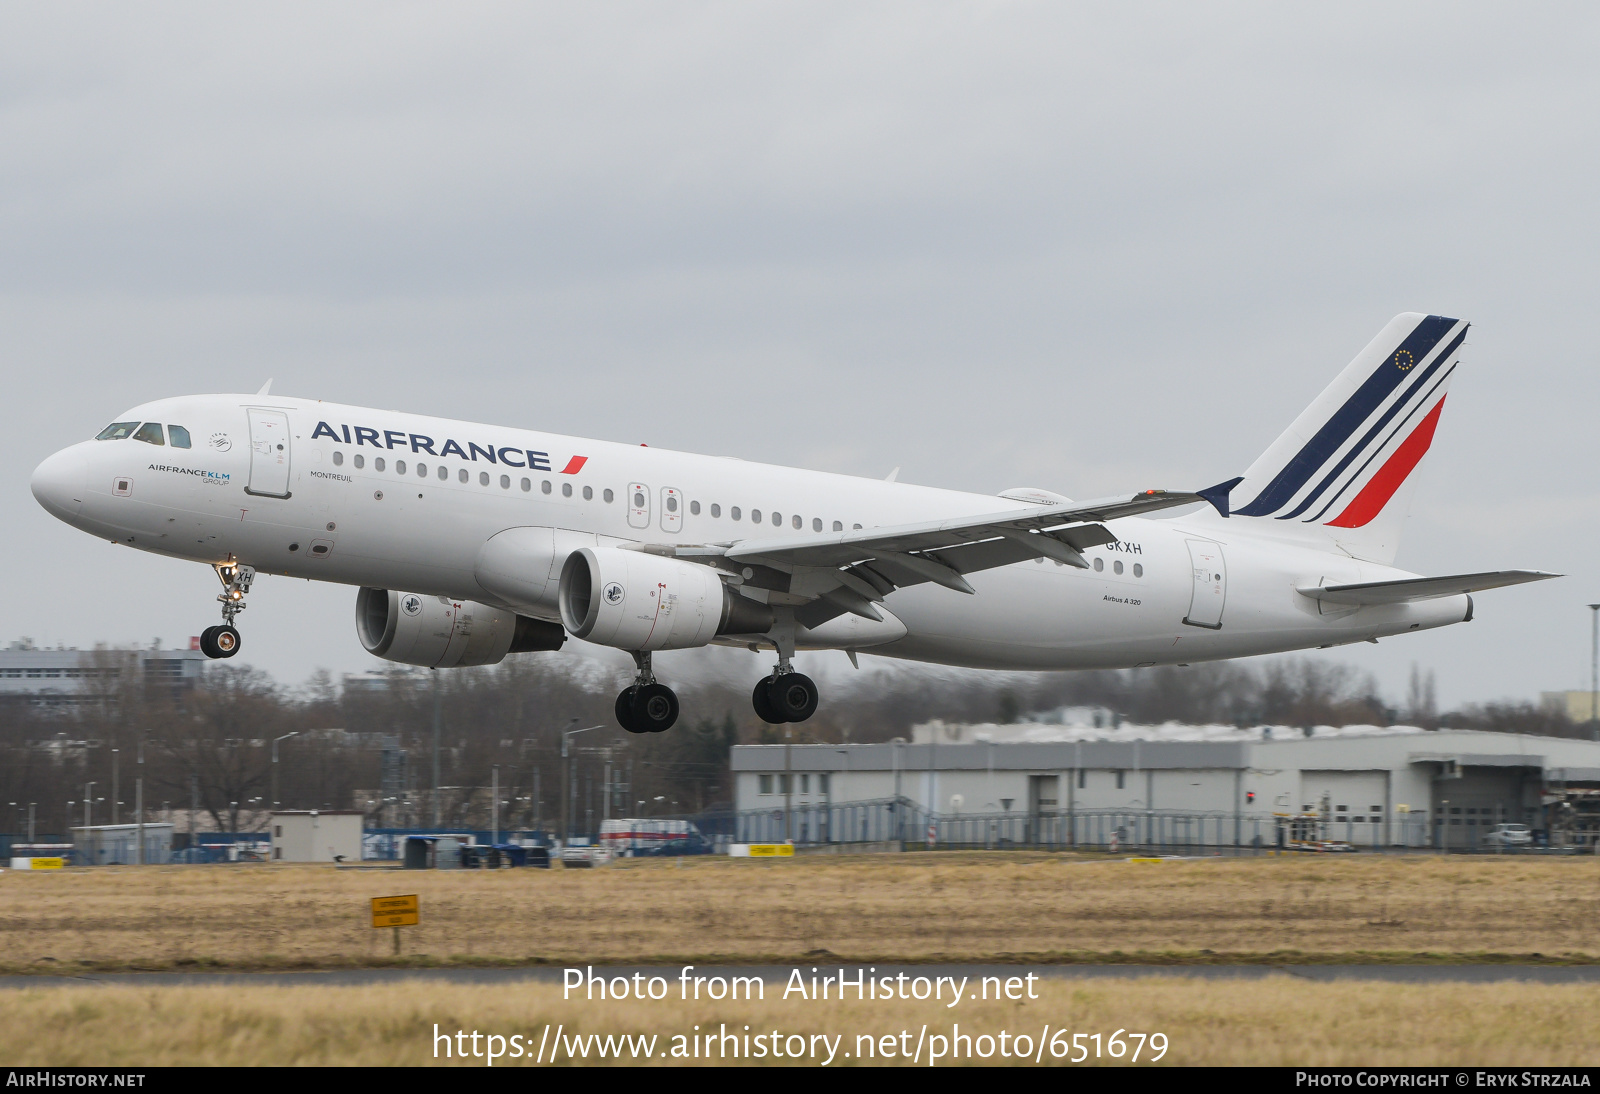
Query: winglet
[(1218, 495), (265, 388)]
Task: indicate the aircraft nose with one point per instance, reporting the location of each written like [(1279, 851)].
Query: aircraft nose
[(58, 483)]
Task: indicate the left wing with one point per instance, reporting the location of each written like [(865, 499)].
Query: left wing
[(825, 575)]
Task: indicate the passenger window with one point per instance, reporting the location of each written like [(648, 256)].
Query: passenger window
[(527, 485), (399, 467), (694, 509), (117, 431), (1099, 564), (566, 490), (179, 436), (797, 522), (463, 476), (838, 526), (755, 516), (544, 487), (607, 494), (672, 503), (1116, 567), (816, 524), (422, 470), (505, 482), (716, 510), (734, 512), (1138, 569), (361, 461), (483, 478), (338, 457), (777, 518), (377, 464), (444, 473), (638, 499), (855, 527), (588, 493), (150, 433)]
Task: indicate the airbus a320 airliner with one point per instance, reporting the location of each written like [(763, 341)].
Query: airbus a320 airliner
[(506, 540)]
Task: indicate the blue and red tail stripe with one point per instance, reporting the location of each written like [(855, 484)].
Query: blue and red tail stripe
[(1376, 494), (1396, 370)]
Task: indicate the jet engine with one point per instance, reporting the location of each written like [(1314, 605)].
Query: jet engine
[(444, 634), (638, 601)]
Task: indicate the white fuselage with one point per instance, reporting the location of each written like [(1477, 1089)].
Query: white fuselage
[(419, 521)]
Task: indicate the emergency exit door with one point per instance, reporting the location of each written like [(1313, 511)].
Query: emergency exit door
[(269, 453), (638, 505), (1210, 584)]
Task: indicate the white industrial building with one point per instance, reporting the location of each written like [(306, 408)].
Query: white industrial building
[(72, 677), (316, 835), (1371, 785)]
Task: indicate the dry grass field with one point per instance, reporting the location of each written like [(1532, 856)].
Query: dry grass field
[(1277, 1021), (912, 907)]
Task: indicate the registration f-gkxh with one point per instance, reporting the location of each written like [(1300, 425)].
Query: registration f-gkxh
[(468, 542)]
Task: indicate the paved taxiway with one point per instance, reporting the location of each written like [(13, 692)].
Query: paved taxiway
[(1399, 974)]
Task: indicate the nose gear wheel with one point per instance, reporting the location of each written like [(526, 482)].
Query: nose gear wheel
[(219, 641)]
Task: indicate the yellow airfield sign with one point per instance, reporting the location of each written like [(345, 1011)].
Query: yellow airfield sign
[(395, 911), (771, 850)]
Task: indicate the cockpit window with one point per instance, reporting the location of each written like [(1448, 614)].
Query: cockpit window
[(150, 433), (117, 431), (179, 436)]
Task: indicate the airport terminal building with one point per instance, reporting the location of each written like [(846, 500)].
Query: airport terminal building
[(1368, 786)]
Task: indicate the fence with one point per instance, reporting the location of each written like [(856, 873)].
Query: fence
[(1158, 831)]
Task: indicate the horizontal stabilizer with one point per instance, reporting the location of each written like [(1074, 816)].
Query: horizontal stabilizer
[(1420, 588)]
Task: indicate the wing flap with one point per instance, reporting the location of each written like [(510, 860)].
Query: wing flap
[(1420, 588)]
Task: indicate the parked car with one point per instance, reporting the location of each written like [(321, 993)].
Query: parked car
[(1509, 835), (585, 856)]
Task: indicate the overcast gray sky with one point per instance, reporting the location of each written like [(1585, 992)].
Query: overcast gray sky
[(1085, 247)]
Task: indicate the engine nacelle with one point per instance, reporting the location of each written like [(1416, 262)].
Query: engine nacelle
[(444, 634), (521, 567), (638, 601)]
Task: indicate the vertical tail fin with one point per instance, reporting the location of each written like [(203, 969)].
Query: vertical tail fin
[(1342, 475)]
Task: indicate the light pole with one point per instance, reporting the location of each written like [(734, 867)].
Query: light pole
[(115, 785), (138, 802), (438, 718), (569, 773), (1594, 672), (494, 806), (275, 741), (88, 803), (894, 758)]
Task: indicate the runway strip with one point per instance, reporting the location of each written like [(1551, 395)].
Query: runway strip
[(778, 974)]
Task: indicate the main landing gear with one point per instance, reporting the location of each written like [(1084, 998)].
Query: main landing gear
[(646, 707), (786, 695), (223, 641)]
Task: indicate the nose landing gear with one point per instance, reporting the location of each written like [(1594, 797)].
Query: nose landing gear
[(224, 641), (646, 706)]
